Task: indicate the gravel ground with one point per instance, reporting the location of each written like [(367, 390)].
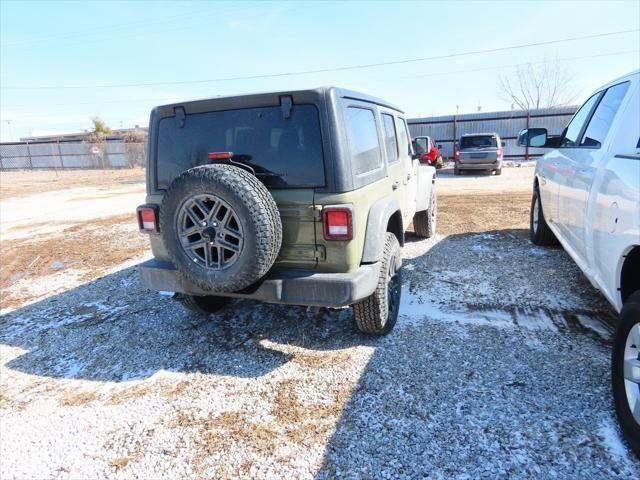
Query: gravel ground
[(498, 368)]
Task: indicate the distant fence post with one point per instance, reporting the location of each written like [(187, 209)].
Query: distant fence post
[(60, 155), (29, 157), (526, 148), (454, 136)]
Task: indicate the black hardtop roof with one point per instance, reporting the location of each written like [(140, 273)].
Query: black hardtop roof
[(248, 100)]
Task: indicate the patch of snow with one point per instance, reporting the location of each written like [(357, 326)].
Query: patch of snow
[(416, 306), (612, 441), (595, 325), (535, 320)]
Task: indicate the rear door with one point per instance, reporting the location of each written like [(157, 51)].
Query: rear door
[(569, 160), (586, 161), (284, 151)]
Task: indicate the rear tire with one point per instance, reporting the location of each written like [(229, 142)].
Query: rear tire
[(539, 231), (424, 223), (626, 349), (378, 313), (202, 305), (498, 171)]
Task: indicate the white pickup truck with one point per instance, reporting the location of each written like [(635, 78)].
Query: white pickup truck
[(586, 195)]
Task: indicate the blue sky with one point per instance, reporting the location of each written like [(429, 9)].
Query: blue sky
[(87, 44)]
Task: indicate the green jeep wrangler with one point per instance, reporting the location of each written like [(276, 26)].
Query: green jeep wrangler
[(299, 197)]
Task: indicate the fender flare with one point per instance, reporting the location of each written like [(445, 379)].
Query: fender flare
[(377, 221)]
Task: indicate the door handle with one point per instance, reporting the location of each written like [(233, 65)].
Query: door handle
[(395, 185)]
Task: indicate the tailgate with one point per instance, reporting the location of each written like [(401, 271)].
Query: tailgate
[(478, 155), (299, 249)]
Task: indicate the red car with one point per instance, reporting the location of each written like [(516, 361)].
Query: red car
[(429, 152)]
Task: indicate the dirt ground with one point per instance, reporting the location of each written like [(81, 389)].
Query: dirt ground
[(23, 183), (498, 366)]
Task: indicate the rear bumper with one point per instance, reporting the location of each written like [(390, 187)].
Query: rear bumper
[(294, 288), (479, 166)]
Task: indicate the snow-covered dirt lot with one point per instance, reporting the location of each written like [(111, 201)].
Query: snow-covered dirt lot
[(498, 368)]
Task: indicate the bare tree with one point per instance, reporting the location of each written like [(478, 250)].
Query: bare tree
[(545, 85)]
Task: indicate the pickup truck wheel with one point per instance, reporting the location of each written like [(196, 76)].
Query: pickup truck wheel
[(539, 231), (205, 305), (498, 171), (424, 223), (377, 314), (221, 227), (625, 371)]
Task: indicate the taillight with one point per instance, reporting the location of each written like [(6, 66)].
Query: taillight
[(337, 223), (148, 219), (499, 153), (220, 155), (456, 153)]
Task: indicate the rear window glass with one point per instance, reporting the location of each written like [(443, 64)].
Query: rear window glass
[(284, 152), (479, 141), (390, 140), (363, 140)]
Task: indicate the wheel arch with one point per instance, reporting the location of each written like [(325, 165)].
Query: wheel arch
[(630, 273), (384, 216)]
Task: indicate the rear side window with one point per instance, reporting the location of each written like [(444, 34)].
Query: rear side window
[(603, 116), (479, 141), (284, 152), (403, 137), (574, 128), (363, 140), (390, 139)]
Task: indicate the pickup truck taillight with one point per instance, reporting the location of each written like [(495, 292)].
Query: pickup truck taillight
[(456, 153), (148, 219), (499, 153), (337, 223)]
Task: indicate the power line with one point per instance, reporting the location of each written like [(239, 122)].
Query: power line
[(324, 70), (386, 79)]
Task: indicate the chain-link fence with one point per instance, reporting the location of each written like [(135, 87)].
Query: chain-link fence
[(59, 155)]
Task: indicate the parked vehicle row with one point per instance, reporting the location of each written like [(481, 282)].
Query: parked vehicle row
[(586, 196), (304, 198)]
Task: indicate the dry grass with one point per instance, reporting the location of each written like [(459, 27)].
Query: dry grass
[(20, 184), (76, 399), (88, 247), (120, 462), (128, 394), (322, 360)]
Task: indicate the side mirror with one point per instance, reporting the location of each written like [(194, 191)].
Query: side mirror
[(532, 137), (503, 143), (439, 147)]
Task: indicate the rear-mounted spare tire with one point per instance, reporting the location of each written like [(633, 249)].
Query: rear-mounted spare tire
[(221, 227)]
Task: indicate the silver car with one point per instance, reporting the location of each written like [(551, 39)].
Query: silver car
[(479, 151)]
